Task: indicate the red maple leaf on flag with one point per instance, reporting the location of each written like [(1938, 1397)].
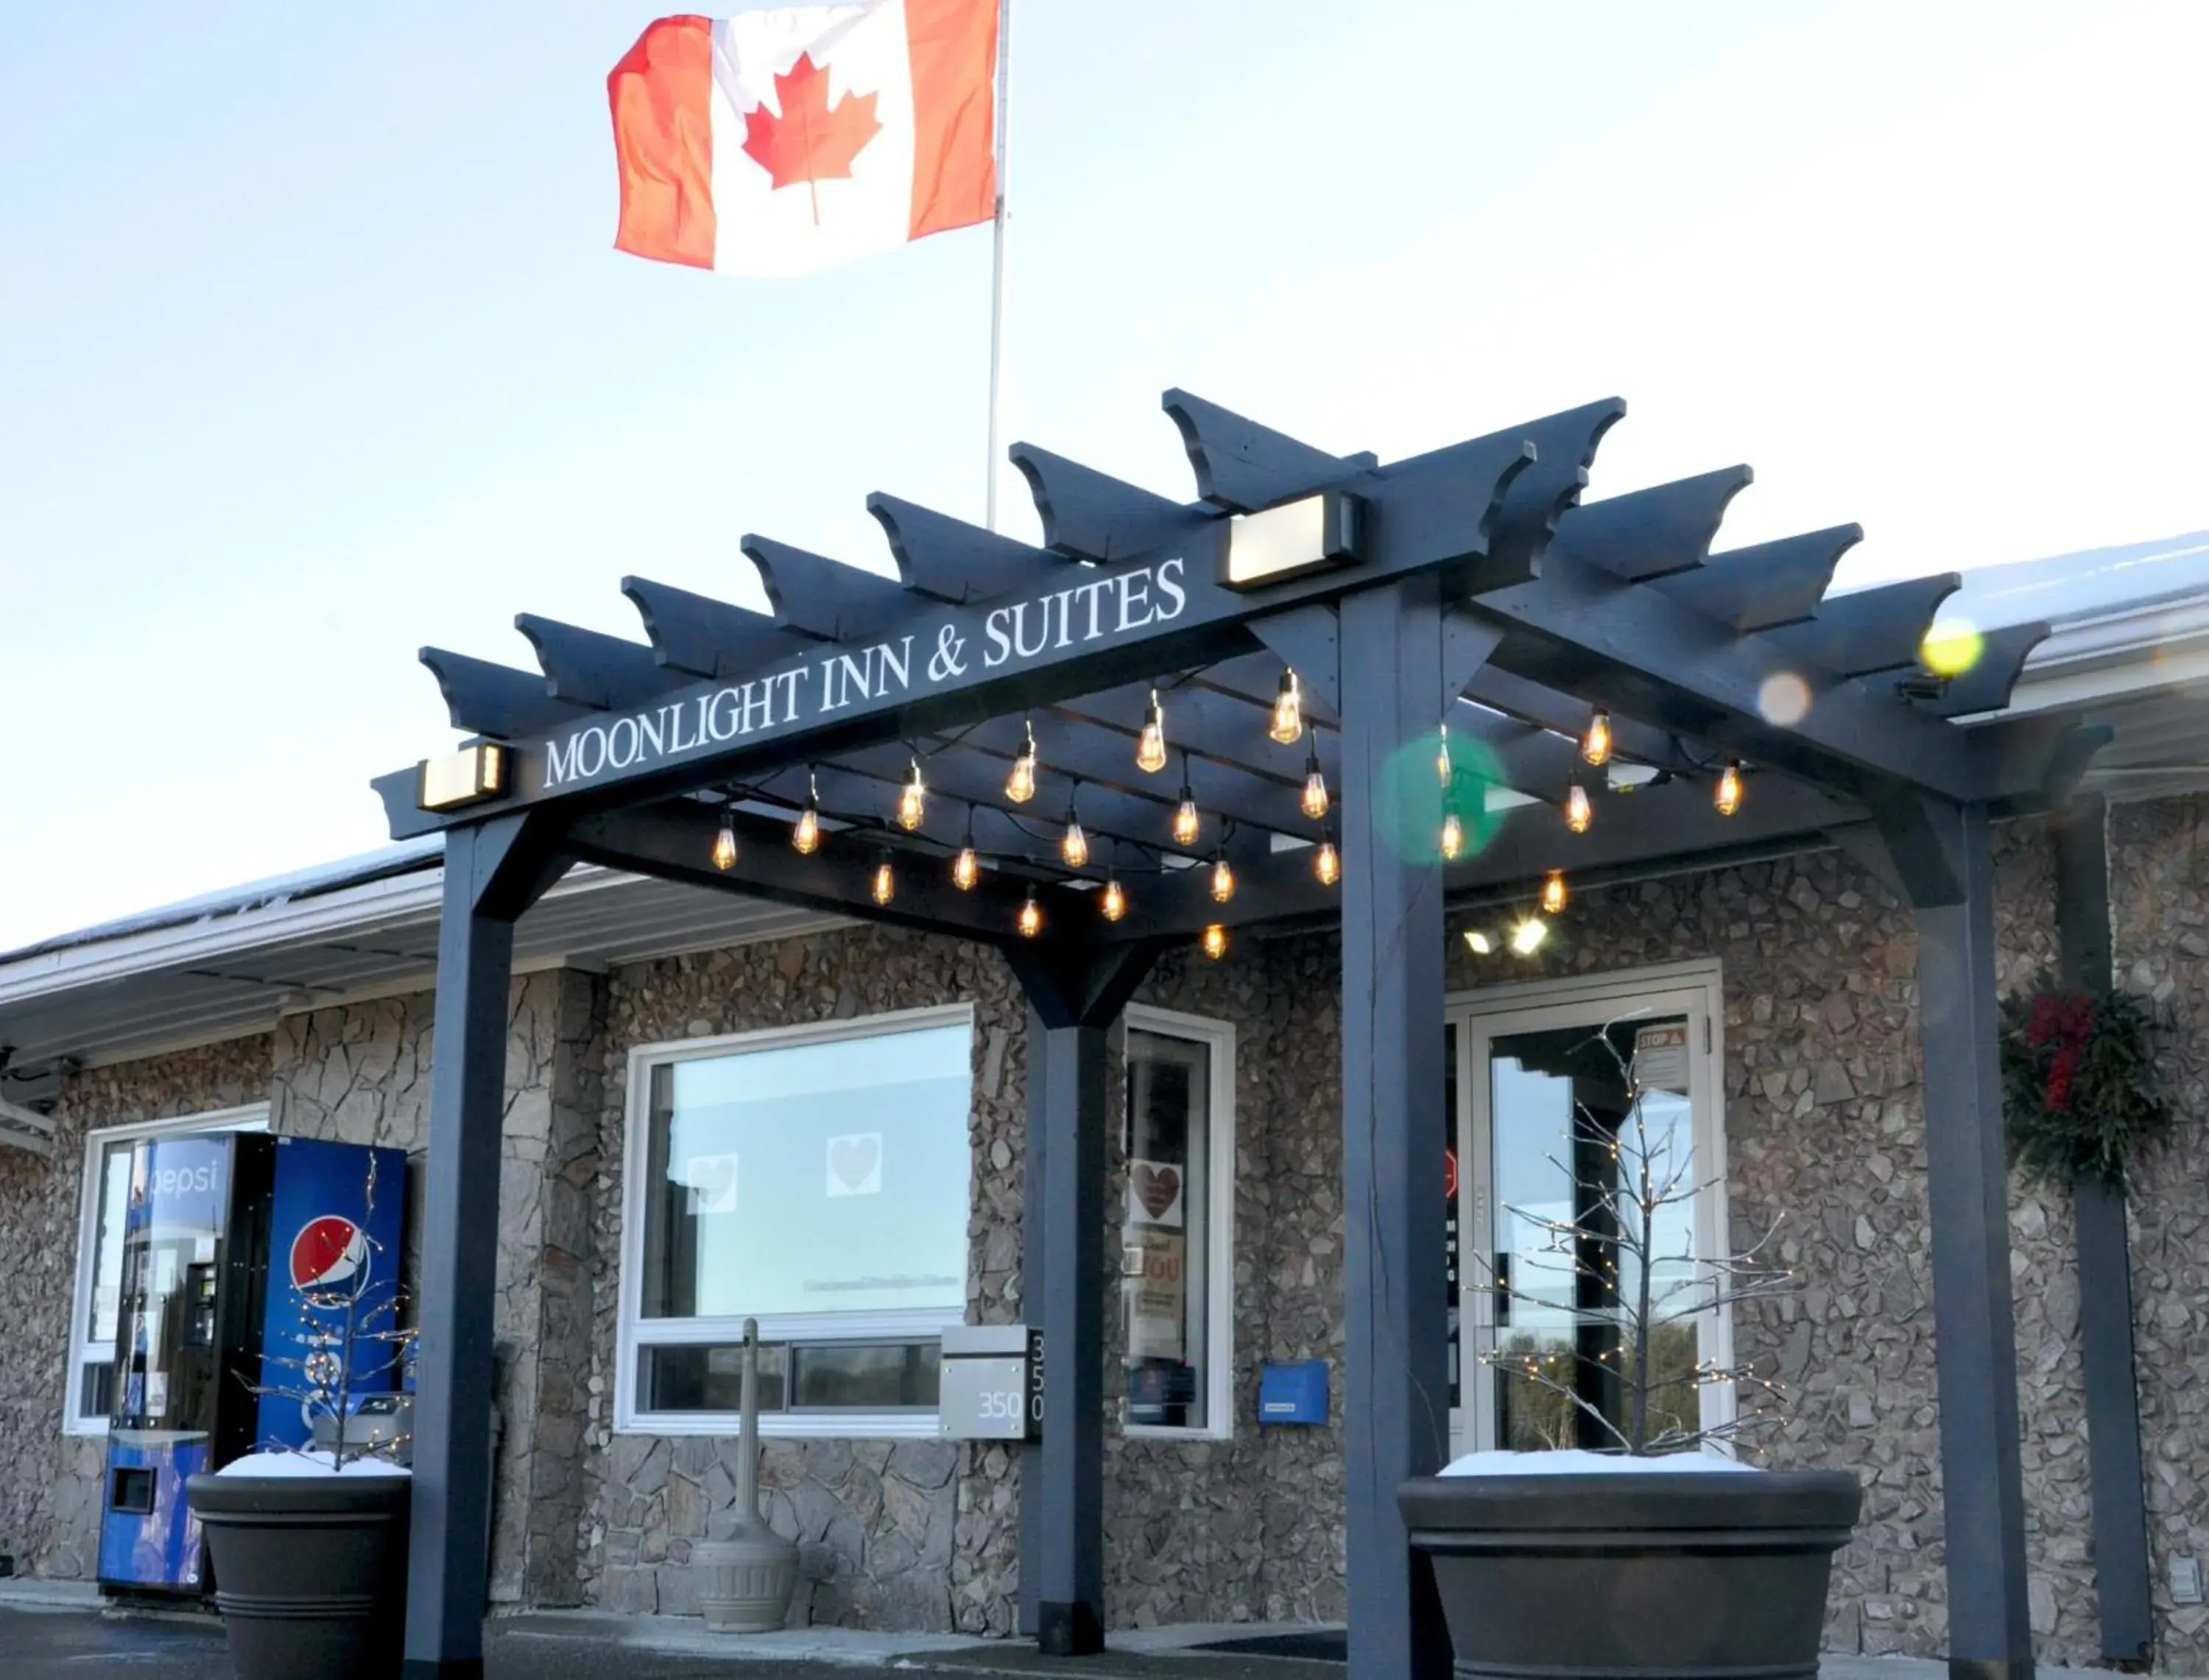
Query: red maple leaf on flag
[(809, 141)]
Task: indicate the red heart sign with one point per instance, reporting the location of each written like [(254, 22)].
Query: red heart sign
[(1158, 1188), (852, 1159)]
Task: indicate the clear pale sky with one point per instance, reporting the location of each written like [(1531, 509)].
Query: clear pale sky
[(314, 347)]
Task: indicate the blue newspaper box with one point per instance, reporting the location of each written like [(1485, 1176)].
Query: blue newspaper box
[(1293, 1394)]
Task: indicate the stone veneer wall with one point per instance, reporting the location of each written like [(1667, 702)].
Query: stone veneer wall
[(360, 1074), (357, 1074), (50, 1482), (916, 1533), (1824, 1124), (2159, 905), (899, 1534)]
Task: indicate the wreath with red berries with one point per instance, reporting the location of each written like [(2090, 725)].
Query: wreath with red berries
[(2079, 1080)]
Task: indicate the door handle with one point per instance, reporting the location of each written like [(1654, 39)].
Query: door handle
[(1503, 1290)]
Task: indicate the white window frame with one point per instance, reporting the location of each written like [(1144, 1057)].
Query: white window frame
[(1696, 988), (252, 1118), (637, 1333), (1219, 1039)]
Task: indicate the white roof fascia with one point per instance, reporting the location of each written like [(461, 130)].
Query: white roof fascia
[(2112, 655), (355, 910)]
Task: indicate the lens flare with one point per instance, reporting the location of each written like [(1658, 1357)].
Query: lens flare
[(1952, 647)]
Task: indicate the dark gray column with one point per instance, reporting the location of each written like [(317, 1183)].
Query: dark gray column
[(1394, 1136), (1074, 997), (493, 871), (1035, 1265), (2122, 1578), (1941, 853)]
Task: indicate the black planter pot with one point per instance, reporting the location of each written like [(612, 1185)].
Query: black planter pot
[(1634, 1576), (310, 1572)]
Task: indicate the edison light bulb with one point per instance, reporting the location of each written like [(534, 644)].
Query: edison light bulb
[(724, 846), (1553, 893), (1215, 942), (1315, 795), (1453, 837), (885, 888), (1031, 923), (965, 868), (1579, 813), (1442, 758), (1289, 710), (1223, 880), (1185, 822), (1727, 797), (912, 801), (1114, 904), (1479, 942), (1328, 865), (1020, 785), (1073, 844), (1526, 938), (1595, 745), (1151, 748), (805, 833)]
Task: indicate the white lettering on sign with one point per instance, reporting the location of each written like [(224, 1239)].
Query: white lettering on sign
[(842, 677)]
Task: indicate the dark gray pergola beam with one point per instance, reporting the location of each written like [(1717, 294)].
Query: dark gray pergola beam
[(1630, 649), (949, 560), (1765, 586), (482, 698), (707, 637), (1986, 686), (1241, 466), (586, 668), (1092, 517), (1429, 514), (1525, 525), (825, 598), (1869, 630), (1650, 534)]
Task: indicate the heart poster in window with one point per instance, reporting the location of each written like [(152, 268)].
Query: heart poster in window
[(1154, 1193), (712, 1181), (855, 1164)]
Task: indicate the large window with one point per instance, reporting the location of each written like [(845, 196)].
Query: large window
[(99, 1255), (1177, 1227), (816, 1180)]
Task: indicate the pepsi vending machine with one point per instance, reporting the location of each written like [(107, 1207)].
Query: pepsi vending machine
[(222, 1233)]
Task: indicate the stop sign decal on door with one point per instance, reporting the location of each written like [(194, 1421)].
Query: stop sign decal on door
[(328, 1252)]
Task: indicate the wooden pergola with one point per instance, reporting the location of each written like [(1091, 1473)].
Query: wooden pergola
[(1467, 596)]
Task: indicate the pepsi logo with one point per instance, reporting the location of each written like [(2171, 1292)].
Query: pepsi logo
[(329, 1251)]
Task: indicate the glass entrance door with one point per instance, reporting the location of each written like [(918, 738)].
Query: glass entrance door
[(1565, 1097)]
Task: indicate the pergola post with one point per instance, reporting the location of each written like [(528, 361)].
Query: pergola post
[(2124, 1581), (493, 872), (1394, 1132), (1941, 852), (1073, 998)]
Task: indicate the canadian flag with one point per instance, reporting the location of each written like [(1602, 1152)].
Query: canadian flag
[(785, 140)]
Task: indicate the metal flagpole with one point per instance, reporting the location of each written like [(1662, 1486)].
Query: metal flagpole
[(997, 256)]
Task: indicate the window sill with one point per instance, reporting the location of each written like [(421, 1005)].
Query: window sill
[(1171, 1433), (90, 1428), (803, 1426)]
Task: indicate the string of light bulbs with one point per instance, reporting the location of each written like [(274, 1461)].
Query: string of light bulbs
[(1286, 725)]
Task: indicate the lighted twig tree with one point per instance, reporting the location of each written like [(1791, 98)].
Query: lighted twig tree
[(1637, 1299), (353, 1340)]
